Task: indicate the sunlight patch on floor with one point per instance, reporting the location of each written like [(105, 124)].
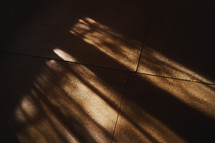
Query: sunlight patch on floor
[(67, 103), (65, 56), (108, 41), (145, 128), (198, 96), (153, 62)]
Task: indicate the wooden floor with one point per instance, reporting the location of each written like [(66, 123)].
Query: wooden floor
[(107, 71)]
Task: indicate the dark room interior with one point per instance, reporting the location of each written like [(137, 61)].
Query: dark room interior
[(107, 71)]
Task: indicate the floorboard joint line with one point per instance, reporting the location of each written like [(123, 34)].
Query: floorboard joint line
[(139, 57), (161, 76), (146, 36), (59, 60), (119, 109), (103, 67)]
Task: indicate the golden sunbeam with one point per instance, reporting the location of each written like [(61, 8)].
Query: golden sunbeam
[(196, 95), (153, 62), (63, 55), (70, 102), (108, 41), (145, 129), (67, 103)]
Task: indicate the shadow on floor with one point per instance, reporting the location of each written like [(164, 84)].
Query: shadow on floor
[(51, 104), (166, 110)]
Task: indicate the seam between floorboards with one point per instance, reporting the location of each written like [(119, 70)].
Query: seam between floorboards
[(140, 56), (119, 109), (64, 61), (104, 67)]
